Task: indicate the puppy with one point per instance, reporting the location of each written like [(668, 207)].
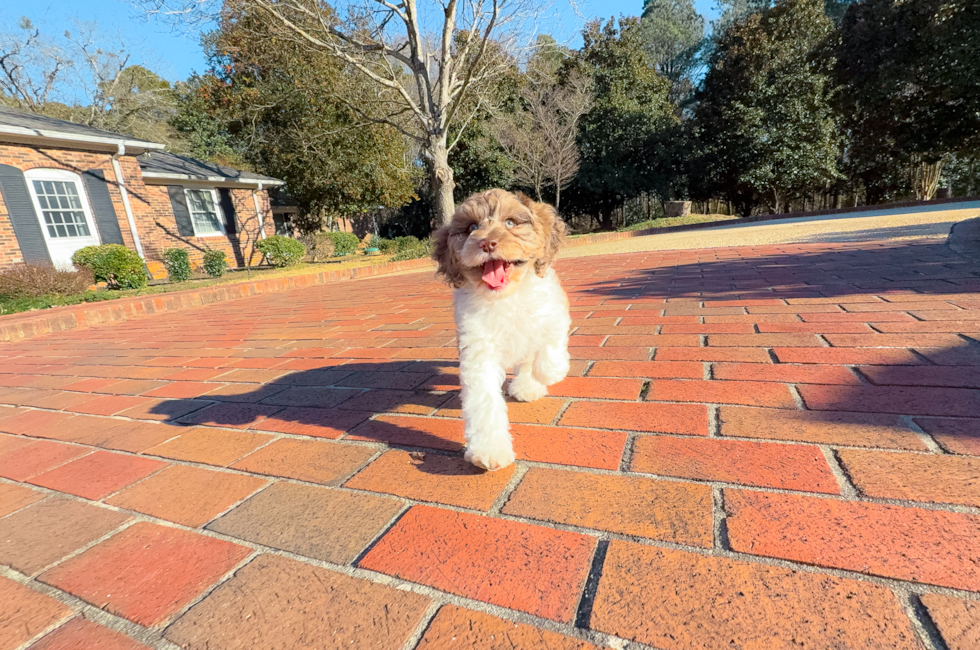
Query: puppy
[(509, 308)]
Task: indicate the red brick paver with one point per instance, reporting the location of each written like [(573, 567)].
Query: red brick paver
[(147, 572), (25, 613), (525, 567), (79, 634), (765, 447)]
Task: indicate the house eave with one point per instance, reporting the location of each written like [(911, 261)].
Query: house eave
[(158, 178), (65, 140)]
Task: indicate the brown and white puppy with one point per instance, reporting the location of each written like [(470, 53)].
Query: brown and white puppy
[(510, 311)]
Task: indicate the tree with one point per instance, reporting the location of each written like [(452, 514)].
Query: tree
[(541, 136), (631, 108), (425, 61), (764, 122), (201, 120), (80, 78), (31, 68), (910, 92), (277, 99), (674, 34), (733, 11)]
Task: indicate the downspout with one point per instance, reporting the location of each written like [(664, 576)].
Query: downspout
[(258, 213), (121, 151)]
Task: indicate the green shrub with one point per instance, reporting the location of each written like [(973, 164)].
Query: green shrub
[(344, 243), (215, 263), (281, 251), (405, 243), (25, 281), (386, 246), (421, 249), (114, 264), (319, 246), (178, 264), (86, 258)]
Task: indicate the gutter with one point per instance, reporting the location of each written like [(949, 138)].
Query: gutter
[(117, 169), (258, 212), (75, 138), (221, 181)]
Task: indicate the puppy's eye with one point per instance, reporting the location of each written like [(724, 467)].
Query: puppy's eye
[(472, 227), (510, 223)]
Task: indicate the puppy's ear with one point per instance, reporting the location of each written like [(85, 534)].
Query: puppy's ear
[(551, 234), (526, 200), (443, 253)]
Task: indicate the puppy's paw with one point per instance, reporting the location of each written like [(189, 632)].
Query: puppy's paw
[(526, 388), (551, 369), (490, 457)]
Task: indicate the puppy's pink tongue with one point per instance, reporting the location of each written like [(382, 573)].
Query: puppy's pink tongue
[(495, 273)]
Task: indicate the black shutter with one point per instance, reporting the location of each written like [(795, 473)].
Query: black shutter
[(23, 218), (228, 208), (105, 212), (185, 228)]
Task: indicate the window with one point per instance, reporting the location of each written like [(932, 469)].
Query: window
[(205, 214), (61, 208)]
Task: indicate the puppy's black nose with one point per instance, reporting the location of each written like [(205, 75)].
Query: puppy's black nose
[(487, 245)]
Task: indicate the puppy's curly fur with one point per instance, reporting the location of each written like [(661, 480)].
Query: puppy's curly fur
[(510, 318)]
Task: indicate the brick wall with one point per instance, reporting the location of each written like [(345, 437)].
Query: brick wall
[(152, 212), (25, 158), (159, 231)]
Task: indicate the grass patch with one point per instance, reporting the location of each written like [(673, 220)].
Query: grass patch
[(667, 222), (16, 305)]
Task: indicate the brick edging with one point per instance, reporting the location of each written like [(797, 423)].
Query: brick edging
[(20, 327), (614, 236)]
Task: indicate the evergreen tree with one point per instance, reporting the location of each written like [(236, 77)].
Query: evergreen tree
[(910, 91), (764, 122), (631, 109)]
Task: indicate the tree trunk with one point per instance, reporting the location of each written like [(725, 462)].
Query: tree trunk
[(925, 178), (557, 196), (441, 183), (606, 214)]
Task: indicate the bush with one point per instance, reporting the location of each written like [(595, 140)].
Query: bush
[(178, 264), (384, 245), (405, 243), (421, 249), (114, 264), (319, 246), (215, 263), (25, 281), (344, 243), (281, 251)]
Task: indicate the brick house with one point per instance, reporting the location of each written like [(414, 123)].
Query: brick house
[(64, 186)]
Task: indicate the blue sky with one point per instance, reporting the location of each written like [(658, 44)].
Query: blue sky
[(175, 56)]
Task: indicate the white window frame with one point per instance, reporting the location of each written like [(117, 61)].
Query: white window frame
[(217, 210), (60, 175)]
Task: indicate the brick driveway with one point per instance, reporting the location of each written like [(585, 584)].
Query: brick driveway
[(771, 447)]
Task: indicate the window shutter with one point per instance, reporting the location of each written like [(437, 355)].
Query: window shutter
[(228, 208), (185, 228), (105, 213), (23, 218)]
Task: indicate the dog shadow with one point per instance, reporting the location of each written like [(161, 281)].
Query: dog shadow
[(371, 401)]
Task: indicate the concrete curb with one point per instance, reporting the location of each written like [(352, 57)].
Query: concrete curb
[(964, 238), (615, 236), (20, 327)]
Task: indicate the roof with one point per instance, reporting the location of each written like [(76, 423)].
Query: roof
[(164, 165), (22, 127)]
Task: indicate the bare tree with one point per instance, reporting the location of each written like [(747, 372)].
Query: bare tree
[(433, 64), (541, 139), (80, 78), (30, 68)]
